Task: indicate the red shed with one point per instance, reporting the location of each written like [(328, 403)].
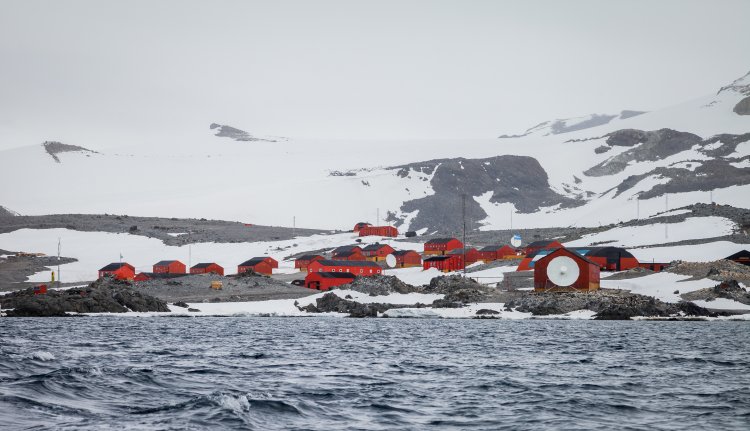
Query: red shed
[(303, 261), (378, 231), (360, 225), (261, 265), (445, 263), (377, 252), (497, 252), (363, 268), (588, 272), (169, 267), (327, 280), (345, 249), (541, 245), (207, 268), (653, 266), (441, 246), (472, 255), (120, 271), (407, 258)]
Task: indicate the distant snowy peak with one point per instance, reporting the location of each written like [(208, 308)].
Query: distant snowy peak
[(53, 148), (224, 131), (739, 85), (566, 125)]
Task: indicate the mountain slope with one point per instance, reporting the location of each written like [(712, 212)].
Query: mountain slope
[(612, 172)]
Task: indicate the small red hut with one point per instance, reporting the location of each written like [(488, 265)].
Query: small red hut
[(354, 255), (120, 271), (441, 246), (407, 258), (377, 252), (742, 257), (497, 252), (303, 261), (587, 271), (445, 263), (363, 268), (609, 258), (327, 280), (378, 231), (169, 267), (207, 268)]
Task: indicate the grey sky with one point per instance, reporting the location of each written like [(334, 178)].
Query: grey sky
[(369, 69)]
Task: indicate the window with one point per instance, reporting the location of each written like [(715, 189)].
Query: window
[(361, 270)]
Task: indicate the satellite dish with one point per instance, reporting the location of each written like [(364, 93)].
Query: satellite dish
[(563, 271), (515, 241), (390, 260)]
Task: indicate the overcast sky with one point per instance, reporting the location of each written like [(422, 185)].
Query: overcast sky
[(368, 69)]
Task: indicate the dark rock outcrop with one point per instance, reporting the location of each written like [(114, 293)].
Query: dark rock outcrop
[(102, 296), (608, 305), (742, 107), (330, 302)]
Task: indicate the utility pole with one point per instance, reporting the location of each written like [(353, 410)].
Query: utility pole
[(638, 207), (511, 218), (463, 213), (190, 251), (59, 247), (294, 226), (666, 208), (378, 218)]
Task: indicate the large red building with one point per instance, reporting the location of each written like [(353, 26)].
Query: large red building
[(609, 258), (344, 249), (327, 280), (351, 255), (207, 268), (446, 263), (441, 246), (363, 268), (120, 271), (497, 252), (169, 267), (360, 225), (588, 272), (303, 261), (378, 231), (377, 252), (407, 258)]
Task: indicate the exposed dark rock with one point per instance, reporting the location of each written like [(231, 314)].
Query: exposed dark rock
[(608, 305), (445, 303), (486, 311), (102, 296), (380, 285), (729, 289), (53, 148), (193, 310), (330, 302), (181, 304), (224, 131), (742, 107)]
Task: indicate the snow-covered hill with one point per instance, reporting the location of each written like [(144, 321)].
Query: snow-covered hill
[(690, 152), (566, 125)]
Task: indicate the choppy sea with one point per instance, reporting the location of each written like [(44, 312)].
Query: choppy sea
[(372, 374)]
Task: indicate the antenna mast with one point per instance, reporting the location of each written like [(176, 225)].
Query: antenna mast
[(58, 261), (463, 213)]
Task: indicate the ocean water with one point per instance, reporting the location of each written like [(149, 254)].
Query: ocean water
[(372, 374)]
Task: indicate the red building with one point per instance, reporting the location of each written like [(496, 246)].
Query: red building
[(377, 252), (378, 231), (345, 249), (445, 263), (441, 246), (360, 225), (407, 258), (541, 245), (261, 265), (207, 268), (303, 261), (120, 271), (355, 255), (588, 272), (169, 267), (472, 255), (497, 252), (363, 268), (653, 266), (327, 280)]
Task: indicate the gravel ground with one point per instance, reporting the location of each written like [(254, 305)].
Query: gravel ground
[(196, 288), (15, 269)]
